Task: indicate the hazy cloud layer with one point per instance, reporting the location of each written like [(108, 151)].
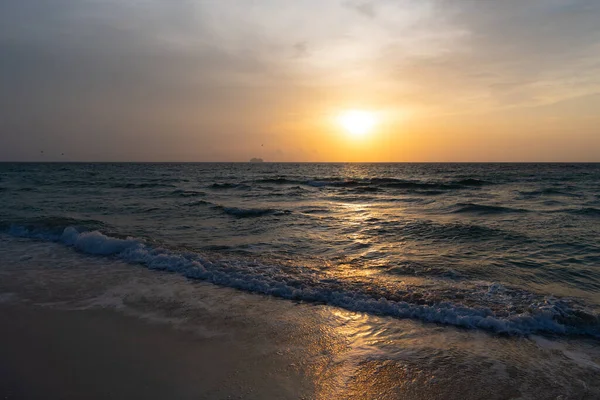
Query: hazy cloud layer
[(208, 80)]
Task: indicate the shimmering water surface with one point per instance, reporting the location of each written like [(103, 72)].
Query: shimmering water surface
[(502, 248)]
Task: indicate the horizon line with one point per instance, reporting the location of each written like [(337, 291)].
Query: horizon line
[(296, 162)]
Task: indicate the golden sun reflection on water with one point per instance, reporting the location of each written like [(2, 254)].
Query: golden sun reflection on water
[(388, 358), (359, 225)]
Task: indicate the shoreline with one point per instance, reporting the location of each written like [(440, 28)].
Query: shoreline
[(79, 326)]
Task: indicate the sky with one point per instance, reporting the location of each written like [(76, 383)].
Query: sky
[(228, 80)]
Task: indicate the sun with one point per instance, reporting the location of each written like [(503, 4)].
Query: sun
[(357, 122)]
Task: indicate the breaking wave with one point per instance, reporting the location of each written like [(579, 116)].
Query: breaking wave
[(490, 307)]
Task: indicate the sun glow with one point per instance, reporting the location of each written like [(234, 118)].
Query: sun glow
[(357, 122)]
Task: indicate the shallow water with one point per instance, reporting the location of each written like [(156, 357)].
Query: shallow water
[(505, 248)]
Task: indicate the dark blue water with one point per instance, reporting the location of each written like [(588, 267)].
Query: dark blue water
[(503, 247)]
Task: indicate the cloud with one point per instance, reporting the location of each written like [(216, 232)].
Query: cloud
[(365, 8), (516, 53), (85, 73)]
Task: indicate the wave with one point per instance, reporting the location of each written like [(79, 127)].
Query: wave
[(419, 269), (472, 182), (75, 183), (546, 192), (48, 227), (366, 189), (140, 185), (419, 186), (587, 211), (535, 315), (582, 211), (218, 186), (406, 200), (449, 184), (316, 182), (279, 181), (359, 185), (239, 212), (352, 198), (471, 208), (427, 185), (187, 193), (107, 184), (146, 210), (199, 203), (315, 210), (376, 183), (332, 183), (455, 232), (251, 212)]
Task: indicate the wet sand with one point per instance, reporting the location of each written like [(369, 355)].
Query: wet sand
[(57, 354)]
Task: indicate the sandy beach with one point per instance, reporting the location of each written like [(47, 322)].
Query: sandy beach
[(77, 326), (300, 200), (49, 354)]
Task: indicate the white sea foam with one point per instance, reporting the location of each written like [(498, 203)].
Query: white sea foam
[(95, 242), (545, 316)]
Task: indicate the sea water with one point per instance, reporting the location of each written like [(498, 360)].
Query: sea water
[(420, 281), (504, 248)]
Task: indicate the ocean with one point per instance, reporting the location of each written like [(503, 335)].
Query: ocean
[(507, 252)]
